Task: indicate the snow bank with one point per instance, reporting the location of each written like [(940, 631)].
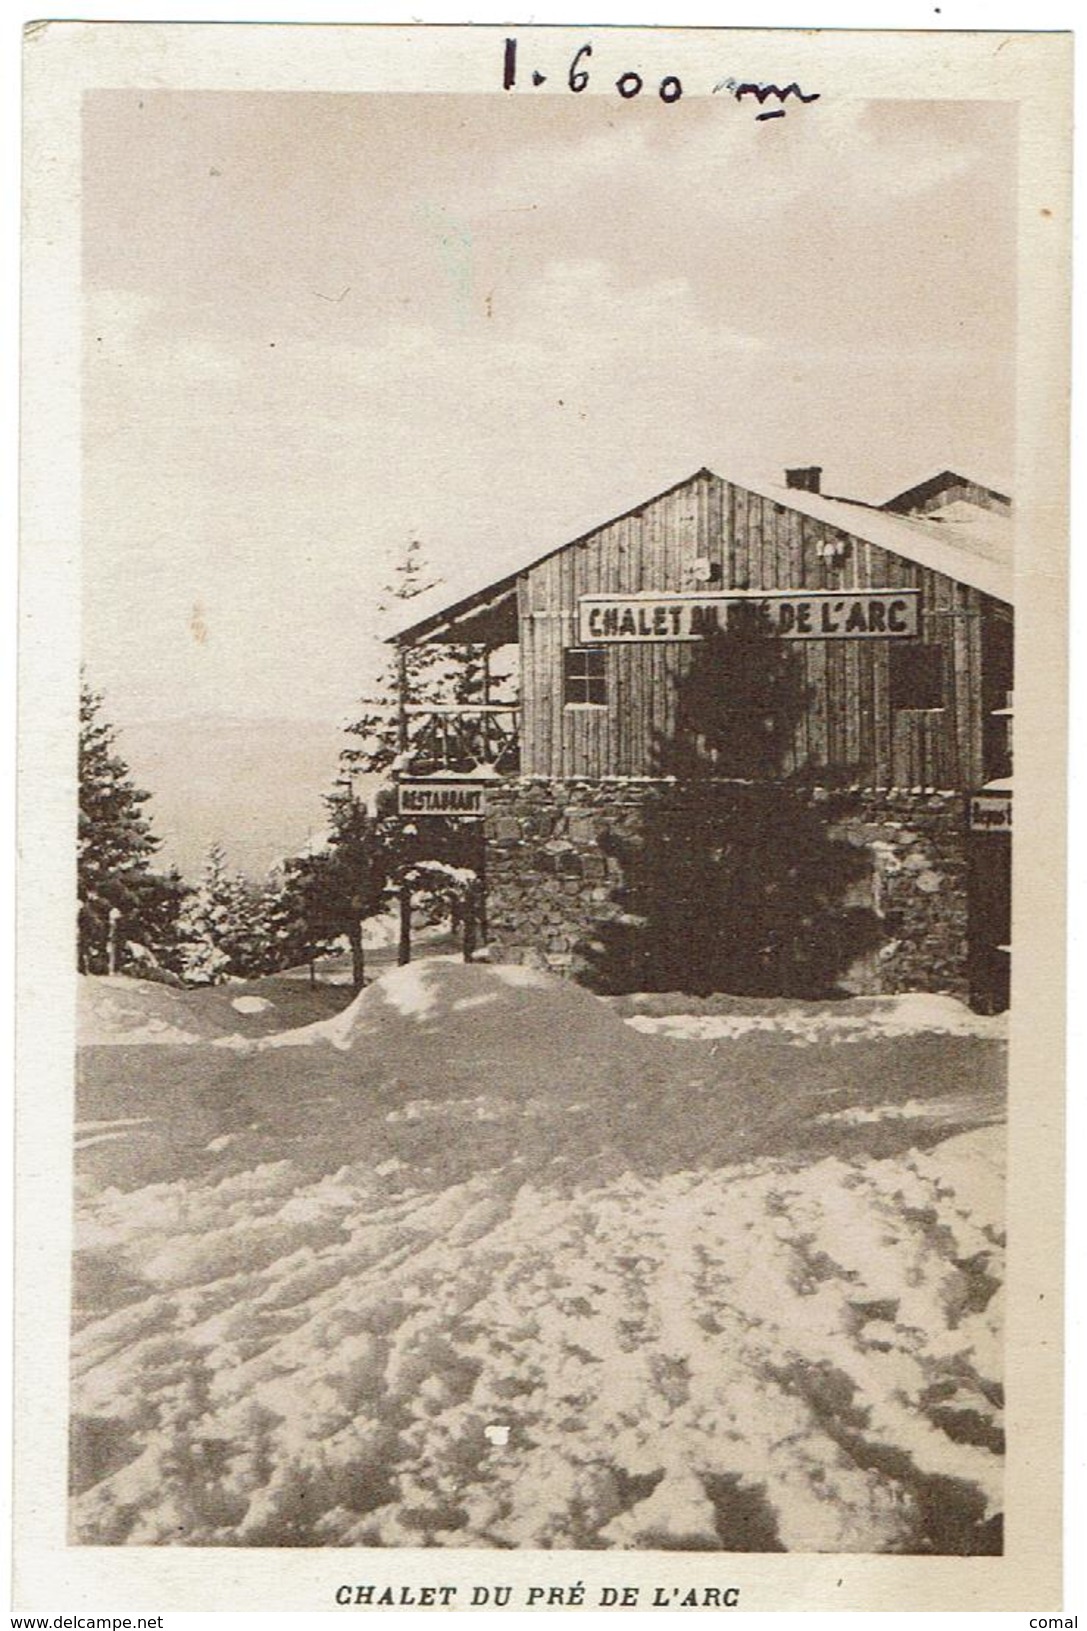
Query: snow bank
[(475, 1263), (806, 1023), (116, 1010), (489, 1024)]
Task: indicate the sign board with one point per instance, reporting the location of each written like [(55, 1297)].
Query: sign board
[(791, 614), (440, 796), (991, 810)]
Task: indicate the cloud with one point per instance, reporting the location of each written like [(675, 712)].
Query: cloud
[(547, 313)]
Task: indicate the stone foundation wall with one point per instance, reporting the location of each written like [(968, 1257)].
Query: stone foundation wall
[(559, 855)]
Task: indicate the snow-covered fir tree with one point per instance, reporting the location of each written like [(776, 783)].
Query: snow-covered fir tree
[(287, 937), (150, 947), (431, 673), (426, 866), (330, 892), (116, 887), (223, 928), (375, 732)]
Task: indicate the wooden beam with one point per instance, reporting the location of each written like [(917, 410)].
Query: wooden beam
[(403, 954)]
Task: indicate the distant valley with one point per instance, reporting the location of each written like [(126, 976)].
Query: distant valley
[(255, 786)]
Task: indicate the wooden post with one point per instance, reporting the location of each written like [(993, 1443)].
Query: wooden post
[(481, 867), (358, 954), (403, 954), (482, 871), (469, 923), (485, 722), (401, 699)]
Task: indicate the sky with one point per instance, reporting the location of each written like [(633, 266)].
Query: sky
[(319, 326)]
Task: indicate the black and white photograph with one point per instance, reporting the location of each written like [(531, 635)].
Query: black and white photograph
[(539, 898)]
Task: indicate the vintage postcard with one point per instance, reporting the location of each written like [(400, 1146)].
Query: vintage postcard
[(544, 560)]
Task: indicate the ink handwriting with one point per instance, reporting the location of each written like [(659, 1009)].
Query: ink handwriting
[(762, 92), (630, 83)]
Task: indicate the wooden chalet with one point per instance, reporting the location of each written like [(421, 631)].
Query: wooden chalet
[(901, 615)]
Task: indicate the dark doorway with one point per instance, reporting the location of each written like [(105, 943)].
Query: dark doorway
[(997, 682), (989, 920)]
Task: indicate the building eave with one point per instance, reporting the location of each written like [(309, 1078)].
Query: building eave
[(452, 611), (914, 539), (490, 609)]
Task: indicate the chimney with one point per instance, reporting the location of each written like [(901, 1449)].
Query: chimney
[(807, 479)]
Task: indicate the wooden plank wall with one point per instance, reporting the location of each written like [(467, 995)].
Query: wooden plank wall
[(848, 735)]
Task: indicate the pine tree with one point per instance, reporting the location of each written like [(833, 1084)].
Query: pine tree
[(436, 673), (423, 863), (330, 894), (743, 889), (288, 940), (223, 927), (377, 727), (115, 842), (151, 948)]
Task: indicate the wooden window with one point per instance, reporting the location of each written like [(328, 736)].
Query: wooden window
[(584, 679), (917, 675)]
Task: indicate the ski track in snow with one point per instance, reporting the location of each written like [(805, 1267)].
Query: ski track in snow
[(774, 1353)]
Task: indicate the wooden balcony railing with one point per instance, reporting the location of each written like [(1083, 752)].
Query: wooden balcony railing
[(463, 737)]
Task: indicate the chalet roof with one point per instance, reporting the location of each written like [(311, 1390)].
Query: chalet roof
[(968, 542), (974, 548), (947, 487)]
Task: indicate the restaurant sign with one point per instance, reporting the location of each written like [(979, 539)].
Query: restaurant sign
[(441, 796), (791, 614), (991, 810)]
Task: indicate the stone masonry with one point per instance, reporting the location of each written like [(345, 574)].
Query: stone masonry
[(553, 874)]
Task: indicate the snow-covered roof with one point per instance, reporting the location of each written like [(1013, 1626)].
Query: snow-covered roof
[(932, 493), (969, 543), (975, 551)]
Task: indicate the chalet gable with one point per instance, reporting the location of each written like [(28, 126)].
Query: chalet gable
[(946, 492), (946, 524)]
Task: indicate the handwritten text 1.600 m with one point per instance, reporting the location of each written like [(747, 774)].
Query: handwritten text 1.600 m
[(630, 83)]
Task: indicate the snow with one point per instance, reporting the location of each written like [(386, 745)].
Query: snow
[(906, 1015), (475, 1262), (250, 1005), (380, 938), (431, 874), (477, 772), (116, 1009), (484, 1019)]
